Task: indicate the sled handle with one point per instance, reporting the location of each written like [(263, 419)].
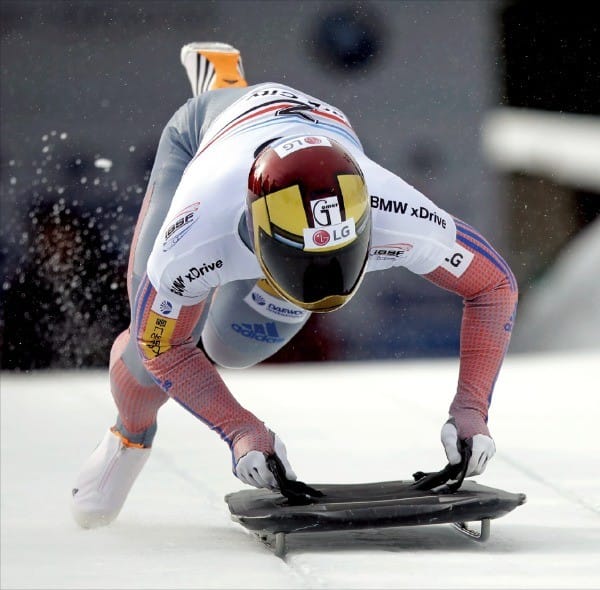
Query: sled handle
[(297, 492), (428, 481)]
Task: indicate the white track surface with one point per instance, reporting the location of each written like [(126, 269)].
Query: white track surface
[(341, 423)]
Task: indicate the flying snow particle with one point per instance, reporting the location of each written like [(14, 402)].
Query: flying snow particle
[(103, 163)]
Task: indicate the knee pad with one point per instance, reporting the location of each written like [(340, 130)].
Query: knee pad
[(246, 324)]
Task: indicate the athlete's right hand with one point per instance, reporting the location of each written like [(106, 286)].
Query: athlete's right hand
[(252, 468), (482, 448)]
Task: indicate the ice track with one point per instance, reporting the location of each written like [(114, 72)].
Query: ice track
[(341, 423)]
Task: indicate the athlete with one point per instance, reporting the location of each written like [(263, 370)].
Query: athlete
[(261, 209)]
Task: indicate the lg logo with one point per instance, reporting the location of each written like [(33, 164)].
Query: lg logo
[(321, 237)]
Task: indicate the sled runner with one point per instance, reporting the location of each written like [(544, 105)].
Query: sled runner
[(342, 507)]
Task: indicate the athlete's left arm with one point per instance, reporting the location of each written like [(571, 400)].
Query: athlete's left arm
[(489, 289)]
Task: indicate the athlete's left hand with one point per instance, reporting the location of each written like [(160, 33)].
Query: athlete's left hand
[(482, 448)]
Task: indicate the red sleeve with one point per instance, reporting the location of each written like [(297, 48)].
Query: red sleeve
[(489, 290), (171, 356)]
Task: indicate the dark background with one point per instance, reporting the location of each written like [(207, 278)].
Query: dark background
[(87, 86)]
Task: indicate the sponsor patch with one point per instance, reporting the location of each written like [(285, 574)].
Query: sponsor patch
[(179, 284), (273, 307), (330, 236), (326, 211), (389, 251), (266, 332), (157, 335), (179, 225), (166, 307), (300, 143), (403, 208), (307, 102), (458, 260)]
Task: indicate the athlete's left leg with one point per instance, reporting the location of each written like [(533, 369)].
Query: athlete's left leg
[(212, 65)]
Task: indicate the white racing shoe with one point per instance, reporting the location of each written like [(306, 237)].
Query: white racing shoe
[(105, 480), (212, 65)]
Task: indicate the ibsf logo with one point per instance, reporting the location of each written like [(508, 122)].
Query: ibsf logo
[(390, 251), (180, 225)]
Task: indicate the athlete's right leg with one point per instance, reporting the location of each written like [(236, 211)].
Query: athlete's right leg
[(209, 66), (107, 476), (136, 395)]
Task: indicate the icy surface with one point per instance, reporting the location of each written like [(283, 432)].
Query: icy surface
[(341, 423)]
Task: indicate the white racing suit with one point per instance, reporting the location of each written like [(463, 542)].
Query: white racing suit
[(195, 286)]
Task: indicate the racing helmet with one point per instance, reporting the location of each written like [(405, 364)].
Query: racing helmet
[(309, 220)]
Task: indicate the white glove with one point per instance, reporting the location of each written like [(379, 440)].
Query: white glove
[(252, 467), (482, 449)]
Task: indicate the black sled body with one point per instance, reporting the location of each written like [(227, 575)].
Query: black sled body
[(370, 506)]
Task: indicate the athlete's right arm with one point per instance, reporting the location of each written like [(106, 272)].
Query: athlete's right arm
[(163, 333)]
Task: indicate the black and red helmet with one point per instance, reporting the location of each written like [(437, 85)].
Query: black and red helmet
[(309, 220)]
